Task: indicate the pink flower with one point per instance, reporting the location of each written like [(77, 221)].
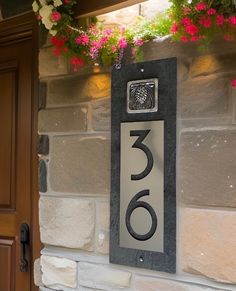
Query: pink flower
[(103, 40), (76, 62), (96, 44), (184, 38), (83, 39), (201, 6), (138, 42), (205, 21), (220, 19), (192, 29), (211, 11), (174, 28), (234, 83), (114, 49), (108, 32), (93, 52), (55, 16), (186, 21), (122, 43), (232, 20)]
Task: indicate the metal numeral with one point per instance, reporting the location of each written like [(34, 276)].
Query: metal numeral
[(142, 134), (134, 203)]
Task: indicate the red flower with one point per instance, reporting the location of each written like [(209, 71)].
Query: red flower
[(220, 19), (186, 21), (192, 29), (232, 20), (211, 11), (66, 1), (234, 83), (83, 39), (201, 6), (174, 28), (205, 21), (76, 62), (194, 38), (184, 38), (55, 16)]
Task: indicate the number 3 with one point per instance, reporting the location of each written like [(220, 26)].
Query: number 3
[(142, 134)]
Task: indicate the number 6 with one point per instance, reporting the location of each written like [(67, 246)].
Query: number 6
[(134, 203)]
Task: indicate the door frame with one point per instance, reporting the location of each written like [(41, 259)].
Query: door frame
[(13, 30)]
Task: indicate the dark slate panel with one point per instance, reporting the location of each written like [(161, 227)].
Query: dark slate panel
[(166, 72), (42, 176), (43, 145)]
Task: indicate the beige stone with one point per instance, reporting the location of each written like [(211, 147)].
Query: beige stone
[(207, 174), (63, 120), (204, 97), (80, 165), (209, 64), (102, 277), (49, 65), (208, 243), (37, 273), (101, 115), (78, 88), (58, 271), (67, 222), (234, 104), (155, 284), (103, 227)]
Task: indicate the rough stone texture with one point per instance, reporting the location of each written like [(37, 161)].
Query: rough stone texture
[(103, 227), (204, 97), (76, 89), (58, 271), (102, 277), (208, 243), (207, 172), (51, 66), (42, 176), (80, 165), (101, 114), (150, 284), (37, 273), (63, 119), (209, 64), (67, 222), (43, 145)]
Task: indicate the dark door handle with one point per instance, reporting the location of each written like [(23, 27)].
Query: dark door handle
[(24, 240)]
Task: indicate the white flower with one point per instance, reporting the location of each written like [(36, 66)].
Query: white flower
[(53, 32), (35, 6), (57, 3), (45, 12), (42, 2)]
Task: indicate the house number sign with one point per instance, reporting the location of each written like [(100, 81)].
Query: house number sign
[(143, 166)]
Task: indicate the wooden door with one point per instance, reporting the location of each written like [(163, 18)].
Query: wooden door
[(16, 150)]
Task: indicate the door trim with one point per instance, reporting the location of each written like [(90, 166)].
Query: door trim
[(12, 30)]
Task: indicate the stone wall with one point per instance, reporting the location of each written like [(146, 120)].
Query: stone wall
[(74, 172)]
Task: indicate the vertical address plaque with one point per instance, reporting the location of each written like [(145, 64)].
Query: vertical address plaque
[(143, 166)]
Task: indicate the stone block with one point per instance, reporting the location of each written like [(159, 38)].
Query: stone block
[(207, 172), (101, 115), (76, 89), (234, 104), (63, 119), (212, 64), (37, 273), (80, 165), (155, 284), (204, 97), (58, 271), (103, 227), (67, 222), (42, 176), (102, 277), (42, 95), (49, 65), (208, 247), (43, 145)]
